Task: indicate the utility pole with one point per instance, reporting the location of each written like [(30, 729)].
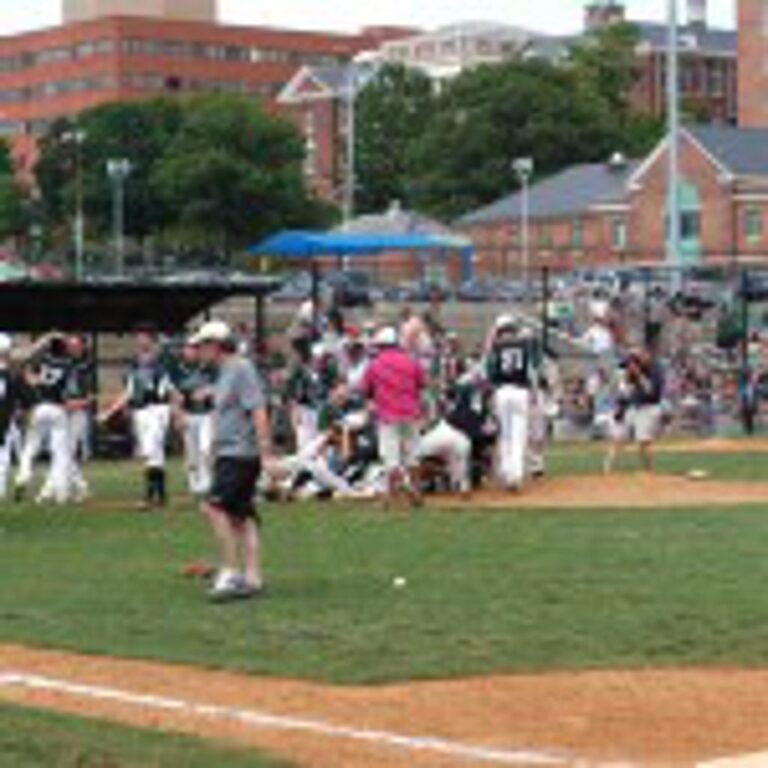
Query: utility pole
[(674, 260), (350, 179)]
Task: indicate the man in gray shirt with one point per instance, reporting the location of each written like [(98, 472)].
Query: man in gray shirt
[(241, 442)]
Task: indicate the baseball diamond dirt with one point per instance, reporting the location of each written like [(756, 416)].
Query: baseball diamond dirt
[(680, 717)]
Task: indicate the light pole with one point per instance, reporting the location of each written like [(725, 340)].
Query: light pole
[(77, 138), (351, 133), (118, 171), (673, 139), (360, 71), (523, 168)]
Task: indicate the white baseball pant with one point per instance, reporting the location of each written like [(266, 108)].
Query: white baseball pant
[(198, 449), (311, 458), (6, 448), (305, 425), (48, 426), (512, 409), (79, 450), (447, 442), (150, 426)]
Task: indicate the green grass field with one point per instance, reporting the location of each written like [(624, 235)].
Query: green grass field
[(31, 739), (487, 592)]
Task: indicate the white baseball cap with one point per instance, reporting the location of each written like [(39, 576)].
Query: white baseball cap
[(386, 337), (505, 321), (6, 344), (212, 331)]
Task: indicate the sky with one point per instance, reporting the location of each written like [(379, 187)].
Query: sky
[(555, 16)]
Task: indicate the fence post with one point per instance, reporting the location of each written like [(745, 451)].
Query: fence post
[(746, 395), (647, 305), (545, 308), (259, 320)]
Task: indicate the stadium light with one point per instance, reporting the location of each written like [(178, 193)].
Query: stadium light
[(77, 138), (118, 171), (524, 168)]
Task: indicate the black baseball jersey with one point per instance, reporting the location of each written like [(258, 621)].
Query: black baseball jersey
[(148, 382), (467, 410), (191, 380), (10, 400), (511, 362), (305, 387), (51, 378), (80, 383)]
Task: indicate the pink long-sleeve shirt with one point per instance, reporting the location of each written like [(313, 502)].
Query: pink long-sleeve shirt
[(395, 382)]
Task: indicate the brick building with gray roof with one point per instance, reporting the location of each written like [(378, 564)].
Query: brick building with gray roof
[(615, 213)]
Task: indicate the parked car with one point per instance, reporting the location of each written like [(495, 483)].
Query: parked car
[(349, 288), (296, 288)]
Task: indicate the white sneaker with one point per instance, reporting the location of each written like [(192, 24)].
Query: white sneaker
[(227, 586)]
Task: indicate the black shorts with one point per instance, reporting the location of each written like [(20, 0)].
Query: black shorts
[(234, 487)]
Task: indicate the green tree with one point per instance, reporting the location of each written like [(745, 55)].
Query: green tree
[(490, 115), (137, 131), (392, 113), (232, 174), (12, 202), (606, 61), (212, 172)]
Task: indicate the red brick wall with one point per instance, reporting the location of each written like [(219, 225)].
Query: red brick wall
[(325, 115), (116, 63), (498, 250), (647, 203), (723, 208), (649, 92), (753, 64)]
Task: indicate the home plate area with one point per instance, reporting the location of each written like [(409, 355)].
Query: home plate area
[(702, 718)]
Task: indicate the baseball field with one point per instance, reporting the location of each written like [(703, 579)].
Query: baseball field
[(589, 622)]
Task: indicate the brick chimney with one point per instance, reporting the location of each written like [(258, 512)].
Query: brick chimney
[(603, 13)]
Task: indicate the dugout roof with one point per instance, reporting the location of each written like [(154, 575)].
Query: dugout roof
[(117, 306)]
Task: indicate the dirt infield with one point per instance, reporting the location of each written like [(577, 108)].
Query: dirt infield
[(638, 491), (647, 718), (715, 445)]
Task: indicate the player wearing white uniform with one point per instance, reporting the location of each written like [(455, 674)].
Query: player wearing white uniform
[(509, 368), (193, 384), (79, 403), (304, 392), (147, 395), (452, 437), (10, 396), (48, 374)]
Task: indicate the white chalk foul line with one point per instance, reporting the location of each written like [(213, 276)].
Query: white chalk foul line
[(756, 760), (266, 721)]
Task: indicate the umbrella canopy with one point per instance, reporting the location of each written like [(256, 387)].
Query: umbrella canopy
[(300, 244)]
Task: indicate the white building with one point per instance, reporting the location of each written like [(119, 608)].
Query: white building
[(446, 52), (188, 10)]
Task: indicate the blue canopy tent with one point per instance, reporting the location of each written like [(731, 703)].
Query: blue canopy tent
[(302, 245)]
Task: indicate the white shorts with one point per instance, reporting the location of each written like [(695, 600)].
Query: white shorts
[(641, 424), (398, 445)]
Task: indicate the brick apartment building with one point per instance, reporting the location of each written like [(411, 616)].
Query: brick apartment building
[(611, 214), (116, 50), (708, 62)]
